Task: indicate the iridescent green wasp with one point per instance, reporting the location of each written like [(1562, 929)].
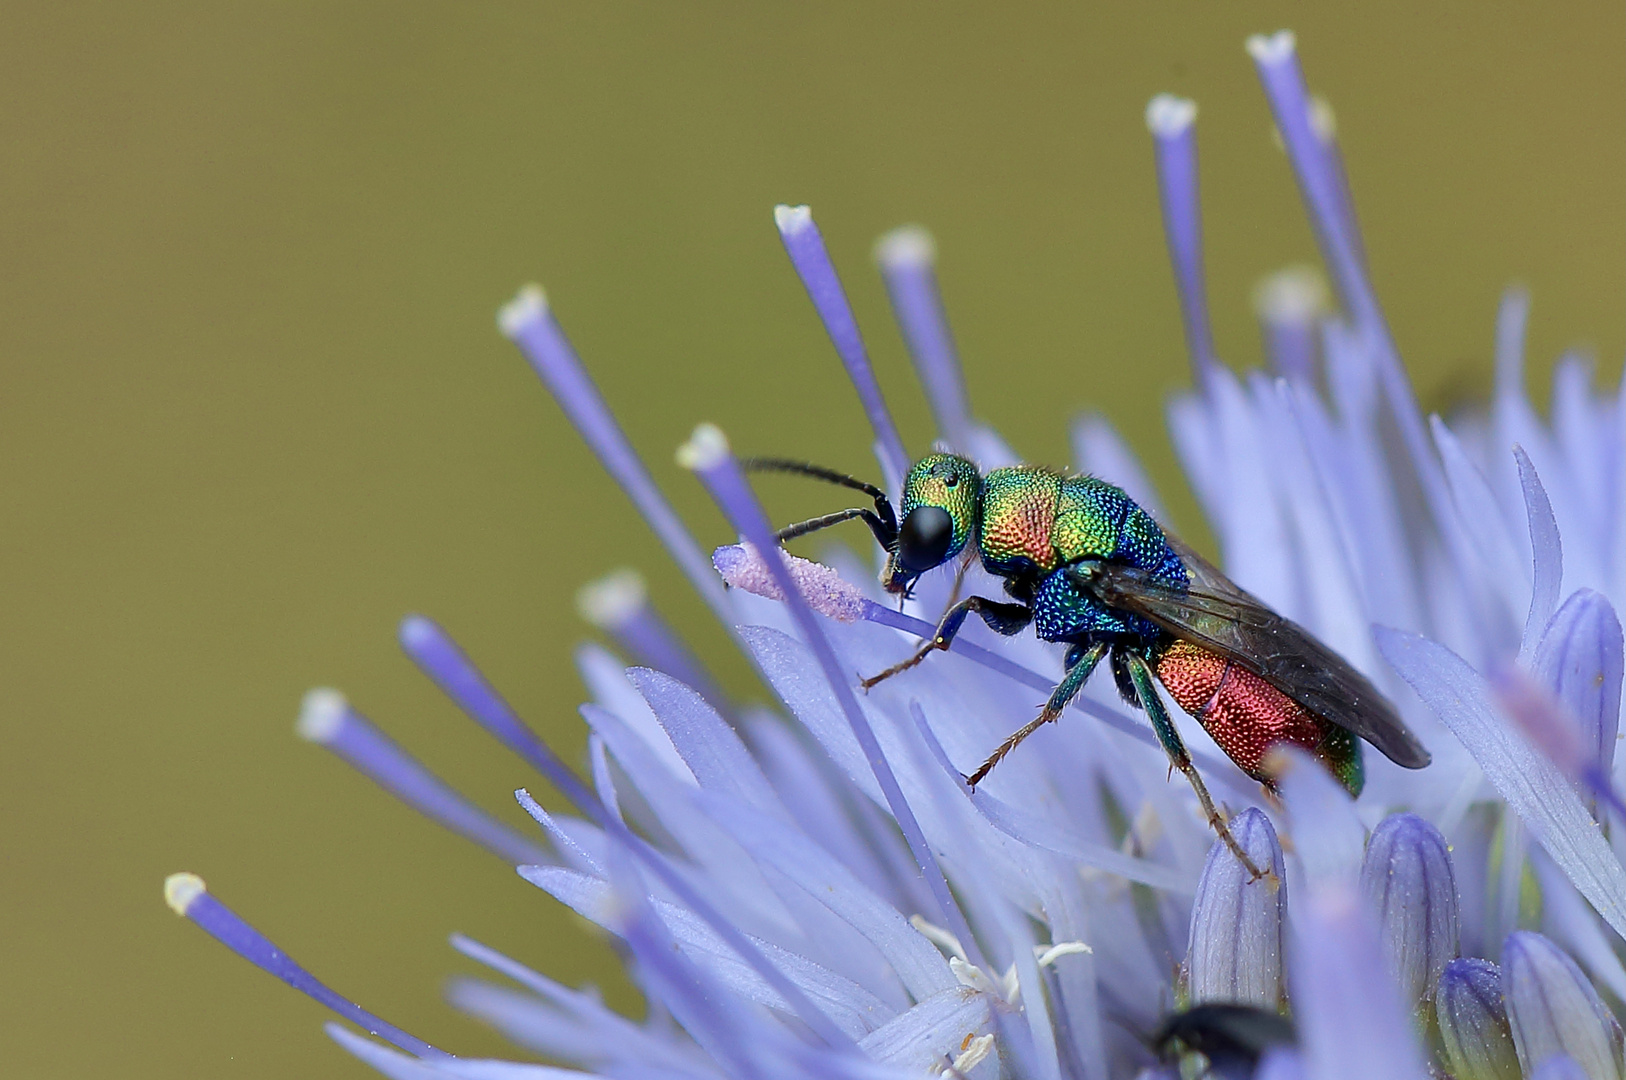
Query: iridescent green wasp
[(1088, 567)]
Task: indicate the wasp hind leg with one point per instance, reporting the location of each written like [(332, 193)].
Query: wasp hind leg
[(1140, 676), (1081, 661), (1002, 618)]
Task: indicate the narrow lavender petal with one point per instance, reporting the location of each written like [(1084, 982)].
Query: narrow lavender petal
[(328, 720), (713, 751), (805, 246), (1281, 1063), (1547, 548), (187, 896), (855, 1010), (619, 605), (1540, 716), (391, 1063), (1473, 1022), (907, 256), (1343, 997), (916, 961), (708, 454), (1568, 918), (449, 668), (1408, 883), (1236, 922), (569, 848), (1327, 837), (1170, 120), (528, 323), (1580, 658), (1552, 1008), (919, 1038), (1531, 784)]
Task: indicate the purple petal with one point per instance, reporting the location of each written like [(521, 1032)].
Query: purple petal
[(1530, 783), (1343, 996), (1580, 658), (1547, 549), (1236, 922), (1553, 1009)]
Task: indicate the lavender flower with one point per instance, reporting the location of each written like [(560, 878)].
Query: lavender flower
[(812, 890)]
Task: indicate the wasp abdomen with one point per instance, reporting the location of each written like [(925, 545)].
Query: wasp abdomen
[(1246, 715)]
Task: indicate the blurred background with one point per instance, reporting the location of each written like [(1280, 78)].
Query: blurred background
[(254, 408)]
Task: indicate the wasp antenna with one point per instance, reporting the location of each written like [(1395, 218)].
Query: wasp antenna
[(883, 523)]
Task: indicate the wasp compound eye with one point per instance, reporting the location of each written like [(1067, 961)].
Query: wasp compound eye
[(924, 539)]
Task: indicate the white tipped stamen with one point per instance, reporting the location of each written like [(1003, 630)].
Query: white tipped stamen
[(907, 245), (1294, 295), (791, 220), (1168, 115), (612, 599), (1049, 954), (527, 306), (938, 936), (975, 1051), (1271, 48), (706, 448), (321, 715), (182, 890)]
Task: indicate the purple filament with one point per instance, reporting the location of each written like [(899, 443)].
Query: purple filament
[(448, 667), (530, 325), (439, 657), (906, 257), (375, 755), (1171, 121), (805, 246), (1322, 185), (225, 926), (723, 478)]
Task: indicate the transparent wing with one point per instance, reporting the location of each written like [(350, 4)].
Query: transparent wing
[(1216, 614)]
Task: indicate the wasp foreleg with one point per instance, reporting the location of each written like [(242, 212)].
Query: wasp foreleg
[(1078, 673), (1141, 675), (1001, 617)]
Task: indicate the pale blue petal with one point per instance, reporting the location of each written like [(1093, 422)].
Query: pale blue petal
[(710, 748), (1547, 552), (1553, 1009), (1530, 783), (1571, 921), (1328, 840), (934, 1029), (1580, 659), (1343, 997)]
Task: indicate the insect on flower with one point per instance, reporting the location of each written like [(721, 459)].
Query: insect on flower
[(1086, 566)]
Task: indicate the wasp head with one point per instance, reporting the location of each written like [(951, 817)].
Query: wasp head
[(941, 498)]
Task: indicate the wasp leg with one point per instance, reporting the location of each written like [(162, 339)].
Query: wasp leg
[(1081, 664), (1002, 618), (1141, 675)]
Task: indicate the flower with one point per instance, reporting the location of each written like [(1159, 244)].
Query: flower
[(814, 891)]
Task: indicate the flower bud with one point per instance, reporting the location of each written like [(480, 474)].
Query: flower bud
[(1552, 1009), (1236, 923), (1408, 883), (1473, 1022)]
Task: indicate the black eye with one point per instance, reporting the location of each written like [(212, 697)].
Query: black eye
[(924, 539)]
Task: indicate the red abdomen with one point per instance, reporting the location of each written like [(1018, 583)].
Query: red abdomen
[(1246, 715)]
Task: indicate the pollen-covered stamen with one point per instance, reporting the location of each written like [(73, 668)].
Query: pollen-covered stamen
[(907, 258), (188, 897), (528, 323), (707, 453), (1171, 120), (327, 719), (1290, 304), (618, 604), (743, 567), (805, 246)]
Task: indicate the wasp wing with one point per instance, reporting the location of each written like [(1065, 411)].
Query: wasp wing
[(1217, 614)]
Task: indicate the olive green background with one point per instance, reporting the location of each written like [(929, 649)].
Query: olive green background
[(253, 405)]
